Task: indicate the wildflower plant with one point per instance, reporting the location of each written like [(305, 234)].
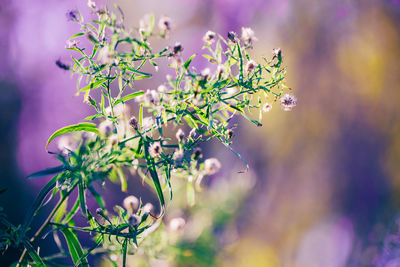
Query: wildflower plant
[(113, 140)]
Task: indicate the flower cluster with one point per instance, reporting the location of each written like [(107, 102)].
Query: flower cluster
[(129, 132)]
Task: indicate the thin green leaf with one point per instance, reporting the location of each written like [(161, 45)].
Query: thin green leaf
[(93, 85), (76, 35), (122, 179), (34, 255), (39, 200), (88, 127), (128, 97), (74, 247), (187, 63), (82, 199), (46, 172)]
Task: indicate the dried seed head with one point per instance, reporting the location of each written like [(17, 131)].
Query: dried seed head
[(221, 71), (211, 166), (155, 149), (248, 36), (72, 15), (147, 208), (209, 37), (250, 66), (180, 135), (176, 224), (232, 36), (133, 122), (288, 102), (131, 204), (267, 107), (134, 220), (62, 65), (164, 24), (178, 157), (177, 49), (197, 153)]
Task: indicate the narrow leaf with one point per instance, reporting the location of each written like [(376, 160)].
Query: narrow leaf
[(46, 172), (89, 127), (74, 247)]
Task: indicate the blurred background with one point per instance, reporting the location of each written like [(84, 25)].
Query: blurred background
[(327, 174)]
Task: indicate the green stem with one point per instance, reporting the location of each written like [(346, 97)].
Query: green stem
[(40, 231)]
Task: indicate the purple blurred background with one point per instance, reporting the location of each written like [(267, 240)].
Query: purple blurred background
[(328, 172)]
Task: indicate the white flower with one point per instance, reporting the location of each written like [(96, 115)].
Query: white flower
[(91, 4), (147, 208), (106, 127), (205, 73), (248, 36), (267, 107), (250, 66), (288, 102), (164, 24), (155, 149), (113, 139), (178, 157), (211, 166), (176, 224), (221, 71), (106, 56), (66, 143), (209, 37), (72, 43), (180, 135), (144, 24), (131, 204)]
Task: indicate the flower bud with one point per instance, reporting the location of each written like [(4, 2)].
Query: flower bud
[(209, 37), (288, 102), (267, 107), (164, 24), (232, 36), (197, 154), (147, 208), (131, 204), (177, 49), (134, 123), (250, 66), (176, 224), (229, 133), (155, 149), (178, 157), (211, 166), (180, 135), (248, 36)]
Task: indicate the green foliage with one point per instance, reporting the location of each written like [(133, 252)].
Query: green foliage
[(90, 153)]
